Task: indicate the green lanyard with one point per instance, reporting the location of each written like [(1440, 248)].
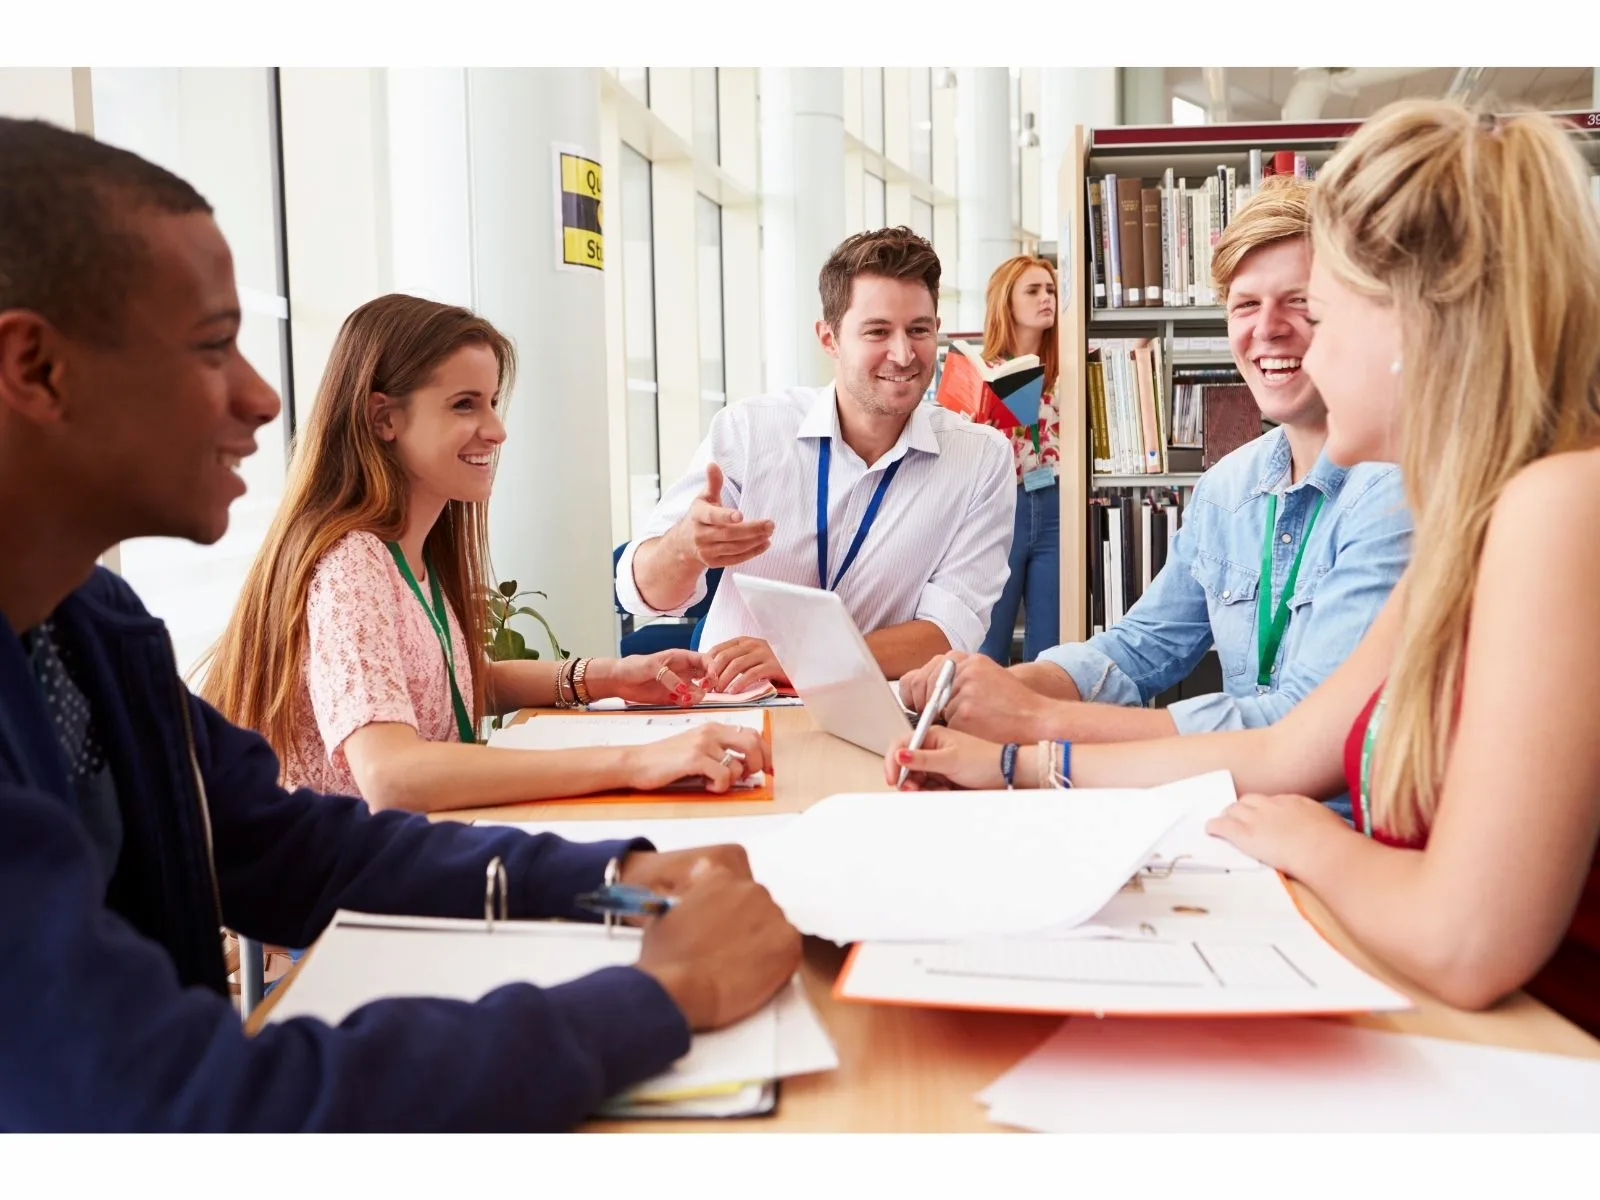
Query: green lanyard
[(1272, 621), (1368, 741), (438, 618)]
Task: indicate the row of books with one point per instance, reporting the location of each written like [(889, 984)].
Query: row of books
[(1130, 539), (1136, 428), (1150, 242)]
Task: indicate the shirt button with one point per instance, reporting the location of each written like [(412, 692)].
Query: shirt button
[(1226, 593), (1286, 539)]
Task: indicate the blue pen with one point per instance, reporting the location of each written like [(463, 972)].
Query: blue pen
[(625, 900)]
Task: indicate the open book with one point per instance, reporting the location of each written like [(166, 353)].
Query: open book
[(1007, 396)]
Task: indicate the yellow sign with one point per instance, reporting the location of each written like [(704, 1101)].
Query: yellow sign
[(582, 240)]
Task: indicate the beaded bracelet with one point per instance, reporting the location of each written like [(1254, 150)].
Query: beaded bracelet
[(1008, 764)]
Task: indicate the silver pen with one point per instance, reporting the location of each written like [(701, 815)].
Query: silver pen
[(930, 711)]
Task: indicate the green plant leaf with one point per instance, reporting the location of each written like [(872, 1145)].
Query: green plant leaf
[(509, 645), (551, 633)]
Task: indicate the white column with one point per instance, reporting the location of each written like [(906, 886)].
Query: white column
[(984, 183), (550, 519), (802, 211), (1068, 96), (429, 203)]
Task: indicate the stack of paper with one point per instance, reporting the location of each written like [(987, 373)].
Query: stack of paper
[(1287, 1076), (572, 732), (362, 958), (1200, 928), (923, 866), (760, 693)]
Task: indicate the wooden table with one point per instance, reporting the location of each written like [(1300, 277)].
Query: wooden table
[(918, 1070)]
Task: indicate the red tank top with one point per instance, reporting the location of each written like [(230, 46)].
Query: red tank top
[(1570, 981)]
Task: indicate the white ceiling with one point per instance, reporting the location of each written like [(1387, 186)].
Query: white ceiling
[(1258, 93)]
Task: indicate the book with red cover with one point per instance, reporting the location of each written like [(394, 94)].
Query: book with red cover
[(1006, 396)]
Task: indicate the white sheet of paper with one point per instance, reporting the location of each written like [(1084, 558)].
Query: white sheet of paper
[(753, 695), (364, 957), (1226, 944), (1188, 847), (665, 833), (620, 729), (924, 866), (1284, 1076), (623, 729)]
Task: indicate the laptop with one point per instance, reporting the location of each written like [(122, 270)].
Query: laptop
[(827, 660)]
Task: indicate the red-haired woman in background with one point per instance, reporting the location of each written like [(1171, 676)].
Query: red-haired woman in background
[(1020, 318)]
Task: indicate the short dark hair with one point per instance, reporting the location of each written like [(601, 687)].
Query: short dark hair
[(66, 251), (897, 253)]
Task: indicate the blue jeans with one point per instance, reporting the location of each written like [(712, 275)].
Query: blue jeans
[(1035, 582)]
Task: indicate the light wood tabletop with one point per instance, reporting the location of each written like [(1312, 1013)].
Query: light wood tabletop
[(919, 1070)]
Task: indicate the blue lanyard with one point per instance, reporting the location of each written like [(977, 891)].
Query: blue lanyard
[(824, 461)]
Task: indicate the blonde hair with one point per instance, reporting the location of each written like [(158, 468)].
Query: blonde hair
[(1000, 327), (1483, 236), (1279, 211)]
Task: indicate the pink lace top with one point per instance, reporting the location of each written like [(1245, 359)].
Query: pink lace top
[(372, 657)]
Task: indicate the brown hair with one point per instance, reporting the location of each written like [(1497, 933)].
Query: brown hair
[(1482, 234), (1279, 211), (999, 327), (345, 478), (896, 253)]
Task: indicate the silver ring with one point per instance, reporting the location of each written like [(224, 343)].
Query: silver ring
[(728, 758)]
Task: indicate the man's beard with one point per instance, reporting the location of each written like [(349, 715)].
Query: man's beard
[(863, 390)]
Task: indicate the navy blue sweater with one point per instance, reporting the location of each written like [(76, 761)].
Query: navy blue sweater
[(114, 1012)]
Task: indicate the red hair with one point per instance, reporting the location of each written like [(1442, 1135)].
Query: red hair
[(1000, 329)]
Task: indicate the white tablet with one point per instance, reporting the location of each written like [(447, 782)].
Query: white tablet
[(827, 660)]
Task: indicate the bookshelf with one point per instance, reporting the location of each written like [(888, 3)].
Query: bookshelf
[(1146, 153)]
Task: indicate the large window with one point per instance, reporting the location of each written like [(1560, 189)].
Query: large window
[(639, 335), (708, 264), (922, 218), (922, 122), (874, 200), (636, 80), (872, 107), (707, 130), (218, 129)]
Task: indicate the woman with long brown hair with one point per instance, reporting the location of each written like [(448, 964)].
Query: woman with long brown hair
[(356, 647), (1455, 290), (1020, 318)]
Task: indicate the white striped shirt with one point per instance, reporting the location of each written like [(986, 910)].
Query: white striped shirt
[(937, 551)]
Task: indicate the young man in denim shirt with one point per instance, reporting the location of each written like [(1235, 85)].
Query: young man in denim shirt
[(1341, 536)]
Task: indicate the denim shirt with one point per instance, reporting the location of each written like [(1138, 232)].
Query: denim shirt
[(1206, 593)]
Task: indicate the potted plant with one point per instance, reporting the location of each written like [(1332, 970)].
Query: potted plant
[(501, 641)]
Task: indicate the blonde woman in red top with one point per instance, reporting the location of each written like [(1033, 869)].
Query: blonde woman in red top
[(1455, 294), (1020, 318)]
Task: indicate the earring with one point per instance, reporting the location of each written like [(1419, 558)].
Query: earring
[(1394, 367)]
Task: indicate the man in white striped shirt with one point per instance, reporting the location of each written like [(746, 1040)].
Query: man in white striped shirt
[(914, 528)]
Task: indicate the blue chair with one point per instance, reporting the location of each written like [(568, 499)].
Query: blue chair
[(663, 633)]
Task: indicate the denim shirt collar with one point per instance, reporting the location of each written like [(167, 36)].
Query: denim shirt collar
[(1324, 475)]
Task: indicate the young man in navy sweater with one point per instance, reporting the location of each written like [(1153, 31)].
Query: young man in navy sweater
[(135, 822)]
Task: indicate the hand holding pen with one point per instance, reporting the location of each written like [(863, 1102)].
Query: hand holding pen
[(930, 712), (719, 947)]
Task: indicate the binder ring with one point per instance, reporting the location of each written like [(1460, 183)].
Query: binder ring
[(495, 880), (612, 877), (1165, 870)]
